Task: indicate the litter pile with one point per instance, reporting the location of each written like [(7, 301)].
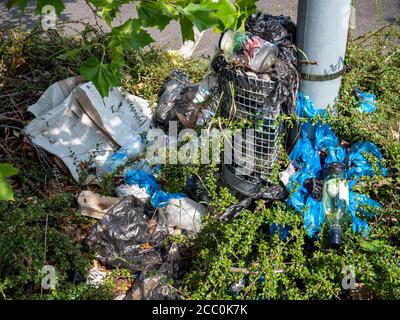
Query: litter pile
[(74, 123)]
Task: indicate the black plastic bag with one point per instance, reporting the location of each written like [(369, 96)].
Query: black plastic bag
[(127, 237), (271, 28), (169, 94), (181, 100), (281, 31), (270, 194), (315, 187)]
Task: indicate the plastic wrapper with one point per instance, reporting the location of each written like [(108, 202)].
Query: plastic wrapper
[(181, 100), (270, 194)]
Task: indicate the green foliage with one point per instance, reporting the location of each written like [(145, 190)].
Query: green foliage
[(130, 35), (101, 74), (6, 170), (23, 250), (106, 73)]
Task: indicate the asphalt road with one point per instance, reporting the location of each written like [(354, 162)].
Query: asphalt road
[(368, 17)]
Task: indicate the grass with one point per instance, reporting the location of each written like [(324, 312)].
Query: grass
[(44, 226)]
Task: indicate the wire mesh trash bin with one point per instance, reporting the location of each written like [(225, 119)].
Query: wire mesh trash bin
[(250, 98)]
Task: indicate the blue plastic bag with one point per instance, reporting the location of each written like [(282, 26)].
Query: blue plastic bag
[(325, 138), (313, 216), (336, 154), (143, 179), (305, 107), (363, 204), (359, 165), (367, 102), (360, 226), (160, 198), (298, 199), (304, 156), (283, 232)]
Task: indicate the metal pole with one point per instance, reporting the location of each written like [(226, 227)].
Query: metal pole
[(322, 29)]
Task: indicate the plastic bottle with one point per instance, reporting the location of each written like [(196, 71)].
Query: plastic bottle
[(120, 157), (252, 51), (336, 201)]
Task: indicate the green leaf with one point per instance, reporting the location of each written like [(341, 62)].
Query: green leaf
[(57, 4), (156, 14), (6, 193), (101, 75), (227, 14), (7, 170), (202, 15), (130, 35), (186, 27), (20, 3), (118, 59), (108, 9), (248, 6)]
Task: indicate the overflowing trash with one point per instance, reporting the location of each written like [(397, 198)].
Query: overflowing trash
[(74, 123), (257, 73), (266, 51), (318, 154), (248, 50), (366, 101)]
